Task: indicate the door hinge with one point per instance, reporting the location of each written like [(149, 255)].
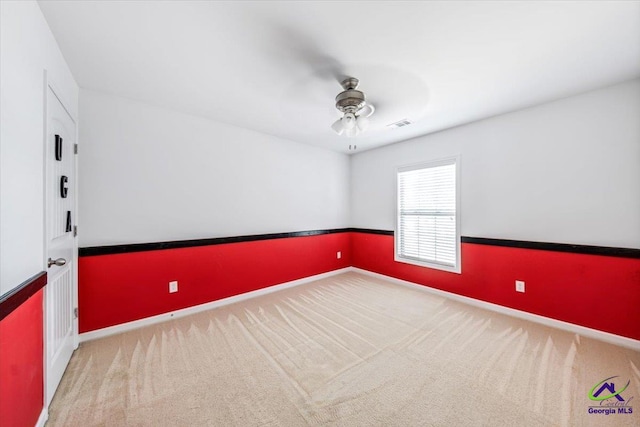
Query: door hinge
[(75, 313), (75, 230), (75, 148)]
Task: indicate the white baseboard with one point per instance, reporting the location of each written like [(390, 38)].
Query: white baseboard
[(570, 327), (42, 419), (123, 327)]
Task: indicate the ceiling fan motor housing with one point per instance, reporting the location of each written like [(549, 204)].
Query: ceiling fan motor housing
[(351, 100)]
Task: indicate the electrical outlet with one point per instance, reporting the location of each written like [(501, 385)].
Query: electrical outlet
[(519, 286), (339, 254), (173, 286)]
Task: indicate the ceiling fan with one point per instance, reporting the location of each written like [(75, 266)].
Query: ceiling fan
[(354, 107)]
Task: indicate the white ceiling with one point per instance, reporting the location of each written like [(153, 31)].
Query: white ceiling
[(272, 66)]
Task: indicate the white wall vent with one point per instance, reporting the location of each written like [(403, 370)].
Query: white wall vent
[(399, 124)]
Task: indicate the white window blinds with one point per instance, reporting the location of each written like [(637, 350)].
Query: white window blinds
[(427, 208)]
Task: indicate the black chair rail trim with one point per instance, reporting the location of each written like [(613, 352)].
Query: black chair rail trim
[(556, 247), (18, 295), (521, 244)]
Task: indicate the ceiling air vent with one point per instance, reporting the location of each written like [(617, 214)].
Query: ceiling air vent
[(399, 124)]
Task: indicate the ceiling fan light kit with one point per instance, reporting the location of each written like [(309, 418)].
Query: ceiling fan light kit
[(353, 104)]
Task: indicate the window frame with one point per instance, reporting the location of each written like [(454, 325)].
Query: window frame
[(457, 267)]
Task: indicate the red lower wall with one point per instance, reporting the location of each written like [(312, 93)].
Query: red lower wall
[(21, 364), (598, 292), (120, 288)]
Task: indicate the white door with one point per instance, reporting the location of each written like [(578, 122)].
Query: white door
[(60, 245)]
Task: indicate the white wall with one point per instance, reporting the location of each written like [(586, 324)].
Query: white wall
[(567, 172), (149, 174), (27, 48)]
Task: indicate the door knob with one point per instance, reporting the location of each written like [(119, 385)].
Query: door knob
[(59, 262)]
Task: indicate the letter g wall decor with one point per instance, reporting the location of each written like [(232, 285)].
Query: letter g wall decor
[(63, 186), (64, 181)]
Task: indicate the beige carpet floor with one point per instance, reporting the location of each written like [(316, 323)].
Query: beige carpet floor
[(347, 350)]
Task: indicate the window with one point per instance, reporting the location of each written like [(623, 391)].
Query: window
[(428, 219)]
